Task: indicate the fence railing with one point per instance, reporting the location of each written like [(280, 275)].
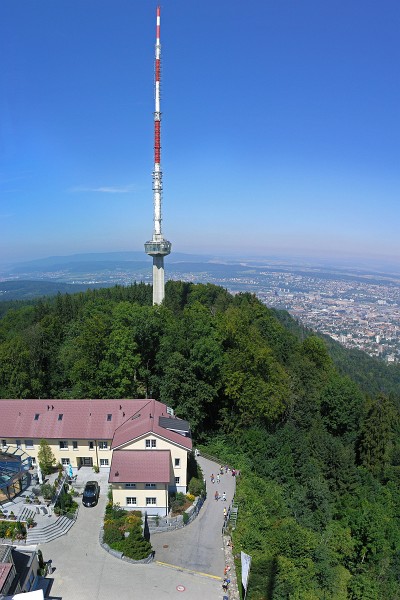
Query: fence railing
[(59, 487)]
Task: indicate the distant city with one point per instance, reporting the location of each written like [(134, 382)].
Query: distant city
[(359, 309)]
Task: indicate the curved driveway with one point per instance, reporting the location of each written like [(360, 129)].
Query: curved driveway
[(84, 570), (199, 545)]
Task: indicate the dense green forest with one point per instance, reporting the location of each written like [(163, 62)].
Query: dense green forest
[(313, 429)]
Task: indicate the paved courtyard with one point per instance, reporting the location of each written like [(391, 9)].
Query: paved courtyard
[(84, 570)]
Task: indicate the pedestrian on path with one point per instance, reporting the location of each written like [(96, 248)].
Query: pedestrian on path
[(225, 512), (212, 478), (224, 497), (218, 479), (216, 495)]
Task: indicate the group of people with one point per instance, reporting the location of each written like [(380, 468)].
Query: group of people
[(218, 497), (226, 581), (225, 469)]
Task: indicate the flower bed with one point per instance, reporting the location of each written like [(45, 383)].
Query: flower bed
[(14, 530), (123, 533)]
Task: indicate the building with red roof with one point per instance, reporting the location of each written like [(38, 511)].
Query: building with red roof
[(142, 444)]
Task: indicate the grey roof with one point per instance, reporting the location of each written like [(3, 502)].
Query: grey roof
[(174, 424)]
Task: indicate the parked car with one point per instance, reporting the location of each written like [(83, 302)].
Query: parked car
[(91, 493)]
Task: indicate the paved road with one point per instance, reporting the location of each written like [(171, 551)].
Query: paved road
[(84, 570), (199, 545)]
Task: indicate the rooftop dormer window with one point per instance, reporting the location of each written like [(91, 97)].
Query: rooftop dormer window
[(60, 417), (37, 417)]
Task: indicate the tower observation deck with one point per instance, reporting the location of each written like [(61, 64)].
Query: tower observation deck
[(157, 247)]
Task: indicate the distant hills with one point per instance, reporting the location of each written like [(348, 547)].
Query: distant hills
[(48, 276), (54, 263), (29, 290)]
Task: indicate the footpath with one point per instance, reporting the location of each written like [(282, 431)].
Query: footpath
[(200, 546)]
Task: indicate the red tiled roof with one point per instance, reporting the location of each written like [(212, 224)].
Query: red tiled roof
[(5, 569), (82, 419), (140, 466), (146, 420)]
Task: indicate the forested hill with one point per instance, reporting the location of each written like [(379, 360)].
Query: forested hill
[(372, 374), (320, 460)]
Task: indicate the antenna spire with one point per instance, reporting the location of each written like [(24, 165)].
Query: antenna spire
[(157, 247)]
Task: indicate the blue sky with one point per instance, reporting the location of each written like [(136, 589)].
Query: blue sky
[(280, 130)]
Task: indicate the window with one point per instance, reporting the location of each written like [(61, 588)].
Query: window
[(91, 445), (177, 462), (29, 444), (151, 486), (130, 485), (63, 445), (177, 480), (74, 445), (37, 417), (65, 461), (151, 443), (33, 460), (131, 500), (151, 501), (60, 417), (104, 462), (18, 443), (4, 443), (109, 417), (103, 445)]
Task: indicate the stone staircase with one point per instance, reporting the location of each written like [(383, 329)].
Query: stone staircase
[(50, 532), (26, 513)]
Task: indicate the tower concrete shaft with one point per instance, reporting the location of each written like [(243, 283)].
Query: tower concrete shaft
[(157, 247)]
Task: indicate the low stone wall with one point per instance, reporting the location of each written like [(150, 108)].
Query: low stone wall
[(233, 592), (172, 523)]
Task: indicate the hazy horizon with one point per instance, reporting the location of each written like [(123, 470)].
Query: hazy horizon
[(345, 262)]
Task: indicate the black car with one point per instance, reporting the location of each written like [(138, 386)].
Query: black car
[(91, 493)]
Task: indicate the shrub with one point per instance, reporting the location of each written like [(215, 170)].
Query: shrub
[(40, 559), (196, 486), (190, 497), (177, 502), (112, 534), (134, 546), (47, 490), (46, 458), (119, 523), (185, 518), (113, 511), (133, 520), (12, 530)]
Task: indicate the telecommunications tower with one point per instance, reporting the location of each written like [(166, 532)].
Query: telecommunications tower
[(157, 247)]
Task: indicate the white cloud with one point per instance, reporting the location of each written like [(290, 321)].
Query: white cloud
[(106, 189)]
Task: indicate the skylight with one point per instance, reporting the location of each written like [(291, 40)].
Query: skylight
[(37, 417), (60, 417), (109, 417)]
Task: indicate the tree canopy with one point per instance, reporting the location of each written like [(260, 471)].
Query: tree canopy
[(314, 430)]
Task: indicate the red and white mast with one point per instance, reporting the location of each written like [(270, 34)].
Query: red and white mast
[(157, 247), (157, 173)]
